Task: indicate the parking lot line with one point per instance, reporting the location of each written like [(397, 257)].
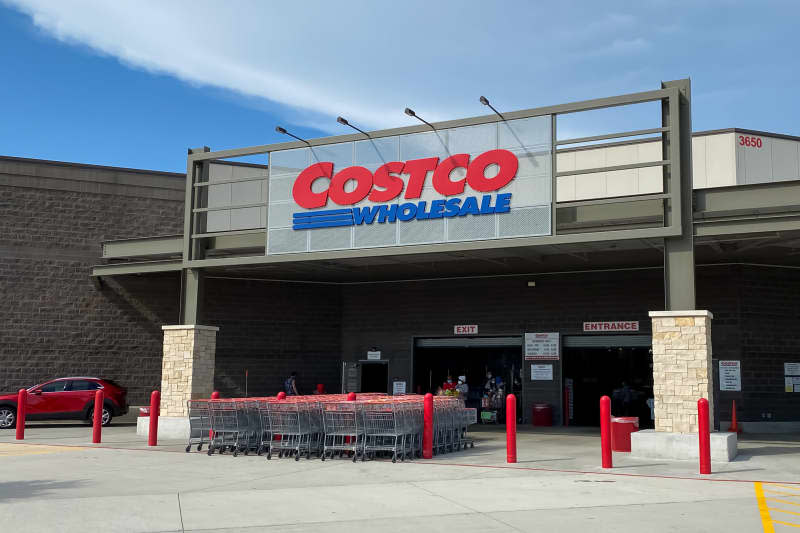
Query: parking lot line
[(767, 509)]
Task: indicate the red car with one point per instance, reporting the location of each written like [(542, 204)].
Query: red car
[(66, 399)]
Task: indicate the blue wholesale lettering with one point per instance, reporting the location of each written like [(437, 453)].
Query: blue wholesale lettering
[(382, 214)]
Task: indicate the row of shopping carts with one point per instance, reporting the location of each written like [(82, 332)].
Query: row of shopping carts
[(327, 426)]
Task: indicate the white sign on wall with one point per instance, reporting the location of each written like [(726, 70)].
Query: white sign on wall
[(541, 372), (618, 325), (730, 375), (542, 346), (467, 329), (792, 383), (399, 387), (374, 356), (791, 369)]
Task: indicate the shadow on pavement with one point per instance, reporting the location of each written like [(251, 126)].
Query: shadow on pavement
[(18, 490)]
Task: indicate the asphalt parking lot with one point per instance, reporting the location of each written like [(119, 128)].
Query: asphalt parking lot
[(57, 481)]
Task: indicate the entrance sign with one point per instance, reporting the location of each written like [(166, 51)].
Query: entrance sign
[(619, 325), (542, 346), (488, 181), (471, 329), (541, 372), (730, 375), (374, 356)]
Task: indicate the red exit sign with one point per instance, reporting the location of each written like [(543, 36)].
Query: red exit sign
[(468, 329)]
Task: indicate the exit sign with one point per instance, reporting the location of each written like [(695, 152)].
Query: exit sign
[(468, 329)]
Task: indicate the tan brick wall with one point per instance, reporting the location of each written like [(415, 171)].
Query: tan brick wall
[(187, 367), (681, 368)]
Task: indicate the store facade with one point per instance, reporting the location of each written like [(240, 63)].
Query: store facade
[(391, 260)]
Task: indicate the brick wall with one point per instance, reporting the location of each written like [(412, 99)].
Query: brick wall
[(271, 329), (55, 321)]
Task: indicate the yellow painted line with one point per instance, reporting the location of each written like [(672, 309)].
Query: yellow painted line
[(766, 521), (792, 487), (782, 511), (784, 524), (17, 450), (789, 494), (782, 501)]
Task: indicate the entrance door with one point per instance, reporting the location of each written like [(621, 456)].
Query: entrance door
[(374, 376), (619, 367)]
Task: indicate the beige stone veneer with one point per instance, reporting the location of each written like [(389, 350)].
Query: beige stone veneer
[(682, 371), (187, 369)]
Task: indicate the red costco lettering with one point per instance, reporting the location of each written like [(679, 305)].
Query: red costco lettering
[(385, 184)]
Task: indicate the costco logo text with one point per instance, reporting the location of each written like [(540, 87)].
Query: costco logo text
[(385, 185)]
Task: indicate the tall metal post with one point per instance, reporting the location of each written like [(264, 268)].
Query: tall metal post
[(192, 296), (679, 284)]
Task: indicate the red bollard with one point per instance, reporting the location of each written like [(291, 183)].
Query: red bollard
[(97, 422), (281, 395), (605, 430), (427, 427), (511, 428), (155, 409), (22, 405), (704, 436), (351, 396), (215, 395)]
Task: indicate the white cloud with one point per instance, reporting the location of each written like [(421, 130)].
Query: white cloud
[(364, 60)]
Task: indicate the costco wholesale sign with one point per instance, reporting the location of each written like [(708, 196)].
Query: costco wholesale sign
[(488, 181)]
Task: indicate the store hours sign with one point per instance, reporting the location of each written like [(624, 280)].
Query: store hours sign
[(542, 346)]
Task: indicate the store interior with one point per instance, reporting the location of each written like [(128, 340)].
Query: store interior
[(432, 366), (625, 374)]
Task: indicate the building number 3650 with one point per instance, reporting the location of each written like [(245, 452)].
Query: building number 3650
[(750, 141)]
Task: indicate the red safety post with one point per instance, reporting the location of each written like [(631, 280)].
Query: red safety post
[(215, 395), (22, 405), (97, 419), (155, 408), (704, 436), (427, 428), (605, 431), (511, 428), (281, 395), (566, 406)]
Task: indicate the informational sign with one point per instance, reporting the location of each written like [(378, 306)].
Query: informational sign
[(792, 383), (485, 181), (791, 369), (398, 387), (619, 325), (374, 355), (730, 375), (467, 329), (542, 346), (541, 372), (569, 385)]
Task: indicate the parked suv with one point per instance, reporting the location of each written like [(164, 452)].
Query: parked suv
[(66, 399)]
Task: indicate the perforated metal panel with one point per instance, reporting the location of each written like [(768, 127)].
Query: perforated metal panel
[(607, 341), (468, 342)]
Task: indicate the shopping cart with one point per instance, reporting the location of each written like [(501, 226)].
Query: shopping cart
[(291, 429), (199, 423), (384, 429), (344, 429), (225, 431)]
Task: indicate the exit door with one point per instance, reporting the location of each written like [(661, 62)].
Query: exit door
[(374, 376)]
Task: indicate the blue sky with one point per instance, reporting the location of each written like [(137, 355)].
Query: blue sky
[(136, 83)]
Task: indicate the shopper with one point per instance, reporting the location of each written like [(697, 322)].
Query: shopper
[(462, 387), (290, 385)]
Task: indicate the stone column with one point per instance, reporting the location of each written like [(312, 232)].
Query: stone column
[(682, 371), (187, 368)]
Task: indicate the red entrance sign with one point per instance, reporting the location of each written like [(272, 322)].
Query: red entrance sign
[(619, 325), (385, 184)]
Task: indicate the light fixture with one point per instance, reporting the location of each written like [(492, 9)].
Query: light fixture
[(410, 112), (284, 132), (485, 101), (531, 284), (343, 121)]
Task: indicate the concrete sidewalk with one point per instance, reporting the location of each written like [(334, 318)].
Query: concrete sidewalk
[(56, 480)]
